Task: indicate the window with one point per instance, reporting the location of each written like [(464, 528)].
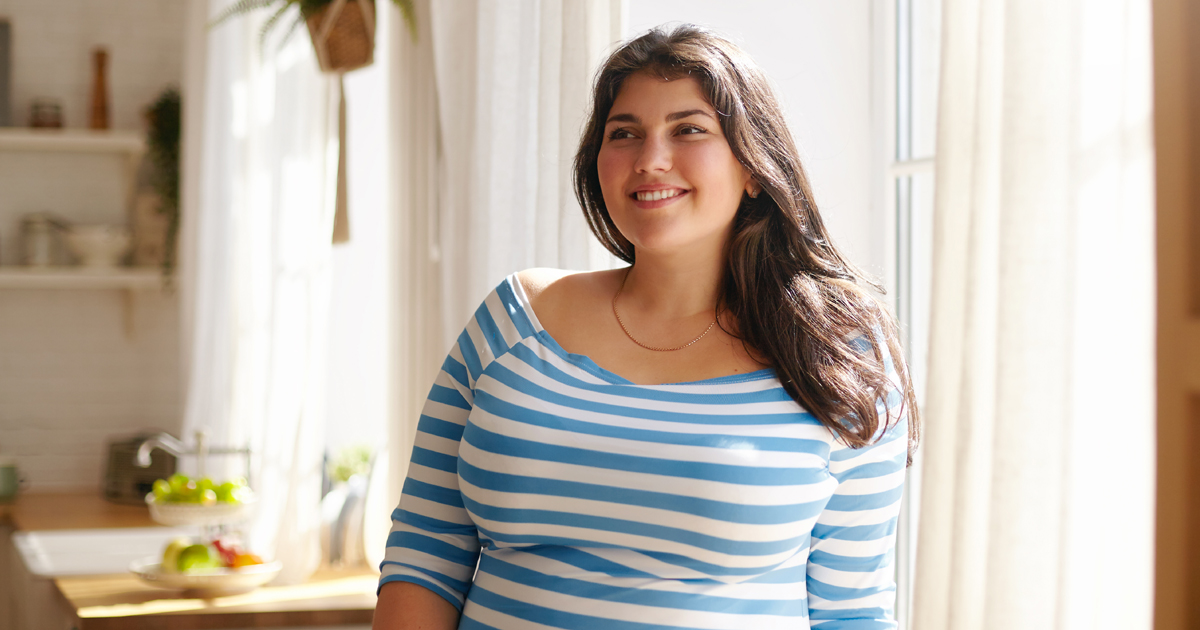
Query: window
[(913, 84)]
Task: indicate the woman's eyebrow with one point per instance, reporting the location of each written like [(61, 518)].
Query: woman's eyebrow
[(690, 112), (670, 117)]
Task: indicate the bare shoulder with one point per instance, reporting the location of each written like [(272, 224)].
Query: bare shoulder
[(544, 282), (555, 293), (535, 281)]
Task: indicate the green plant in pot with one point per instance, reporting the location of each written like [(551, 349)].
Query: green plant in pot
[(342, 31), (164, 125)]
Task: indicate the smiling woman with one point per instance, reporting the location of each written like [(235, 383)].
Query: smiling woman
[(665, 165), (712, 437)]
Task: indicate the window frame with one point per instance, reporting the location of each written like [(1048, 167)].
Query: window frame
[(895, 32)]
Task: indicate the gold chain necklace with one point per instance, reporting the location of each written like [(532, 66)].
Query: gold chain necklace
[(631, 337)]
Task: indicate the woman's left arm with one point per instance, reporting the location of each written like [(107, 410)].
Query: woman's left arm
[(851, 583)]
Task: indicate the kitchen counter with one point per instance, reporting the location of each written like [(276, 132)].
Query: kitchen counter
[(98, 602), (329, 598), (71, 510)]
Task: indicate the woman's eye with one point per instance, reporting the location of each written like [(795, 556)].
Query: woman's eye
[(619, 134), (688, 130)]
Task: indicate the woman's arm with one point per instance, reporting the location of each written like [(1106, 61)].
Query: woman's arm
[(408, 606), (433, 548), (850, 564)]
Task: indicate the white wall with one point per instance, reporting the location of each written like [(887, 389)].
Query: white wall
[(69, 377), (819, 55)]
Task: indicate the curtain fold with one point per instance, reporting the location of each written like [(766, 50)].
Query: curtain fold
[(513, 81), (485, 107), (1037, 503), (259, 179)]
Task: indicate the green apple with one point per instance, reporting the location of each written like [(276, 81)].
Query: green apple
[(170, 559), (225, 492), (198, 557), (162, 490), (206, 497), (178, 482)]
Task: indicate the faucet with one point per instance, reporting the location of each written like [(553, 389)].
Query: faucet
[(175, 446), (165, 441)]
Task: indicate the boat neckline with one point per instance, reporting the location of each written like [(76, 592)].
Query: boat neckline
[(585, 362)]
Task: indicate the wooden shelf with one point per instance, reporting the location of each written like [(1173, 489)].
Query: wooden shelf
[(132, 278), (72, 140)]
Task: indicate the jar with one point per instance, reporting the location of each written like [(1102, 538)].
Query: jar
[(45, 113), (39, 239)]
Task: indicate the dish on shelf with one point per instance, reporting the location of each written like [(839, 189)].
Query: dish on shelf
[(98, 246), (208, 582), (185, 514)]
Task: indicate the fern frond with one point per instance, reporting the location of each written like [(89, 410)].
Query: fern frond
[(243, 6), (291, 30), (269, 24)]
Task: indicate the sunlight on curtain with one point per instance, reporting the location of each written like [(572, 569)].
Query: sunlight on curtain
[(485, 108), (1037, 507), (257, 269), (513, 84)]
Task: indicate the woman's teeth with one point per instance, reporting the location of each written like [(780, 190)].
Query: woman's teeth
[(655, 195)]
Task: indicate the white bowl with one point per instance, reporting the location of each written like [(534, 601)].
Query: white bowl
[(98, 245), (194, 514), (206, 583)]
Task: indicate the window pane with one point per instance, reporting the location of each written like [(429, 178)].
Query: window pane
[(926, 21)]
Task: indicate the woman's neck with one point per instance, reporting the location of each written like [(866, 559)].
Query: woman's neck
[(672, 287)]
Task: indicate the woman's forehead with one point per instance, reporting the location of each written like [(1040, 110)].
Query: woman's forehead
[(651, 97)]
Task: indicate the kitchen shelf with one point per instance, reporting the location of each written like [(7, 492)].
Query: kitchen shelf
[(131, 278), (129, 142)]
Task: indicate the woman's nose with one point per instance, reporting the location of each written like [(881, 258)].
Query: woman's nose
[(654, 156)]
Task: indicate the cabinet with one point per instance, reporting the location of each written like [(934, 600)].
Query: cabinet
[(27, 601)]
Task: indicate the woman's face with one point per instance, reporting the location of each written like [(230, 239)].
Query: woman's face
[(668, 176)]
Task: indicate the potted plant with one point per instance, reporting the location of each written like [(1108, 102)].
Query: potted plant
[(342, 31), (164, 124)]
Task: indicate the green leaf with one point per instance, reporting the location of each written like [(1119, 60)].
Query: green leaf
[(243, 6), (270, 23)]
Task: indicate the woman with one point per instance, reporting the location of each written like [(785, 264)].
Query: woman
[(712, 437)]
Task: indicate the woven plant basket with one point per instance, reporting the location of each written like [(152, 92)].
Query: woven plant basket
[(343, 34)]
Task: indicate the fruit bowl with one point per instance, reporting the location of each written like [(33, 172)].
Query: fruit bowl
[(208, 582), (196, 514)]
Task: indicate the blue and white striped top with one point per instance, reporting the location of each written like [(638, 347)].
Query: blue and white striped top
[(600, 503)]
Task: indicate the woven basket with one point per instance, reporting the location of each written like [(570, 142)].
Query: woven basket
[(343, 34)]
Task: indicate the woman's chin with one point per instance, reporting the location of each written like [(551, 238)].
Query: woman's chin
[(674, 243)]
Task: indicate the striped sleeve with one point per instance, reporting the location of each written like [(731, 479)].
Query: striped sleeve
[(851, 573), (433, 541)]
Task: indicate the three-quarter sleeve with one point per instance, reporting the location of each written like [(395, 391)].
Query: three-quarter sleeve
[(851, 572), (433, 541)]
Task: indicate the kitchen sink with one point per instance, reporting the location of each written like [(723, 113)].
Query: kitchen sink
[(59, 553)]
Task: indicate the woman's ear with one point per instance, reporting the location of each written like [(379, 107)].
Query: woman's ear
[(752, 189)]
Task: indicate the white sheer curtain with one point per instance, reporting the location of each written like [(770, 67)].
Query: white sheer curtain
[(259, 169), (513, 83), (486, 108), (1038, 491)]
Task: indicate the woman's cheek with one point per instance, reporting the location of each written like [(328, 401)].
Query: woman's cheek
[(608, 167)]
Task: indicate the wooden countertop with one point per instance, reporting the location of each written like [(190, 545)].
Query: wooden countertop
[(71, 510), (329, 598)]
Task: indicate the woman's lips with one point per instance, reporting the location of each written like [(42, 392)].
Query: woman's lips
[(656, 198)]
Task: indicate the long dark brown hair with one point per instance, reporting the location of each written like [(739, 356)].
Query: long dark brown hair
[(793, 298)]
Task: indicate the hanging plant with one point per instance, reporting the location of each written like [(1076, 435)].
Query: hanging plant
[(162, 141), (342, 31)]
